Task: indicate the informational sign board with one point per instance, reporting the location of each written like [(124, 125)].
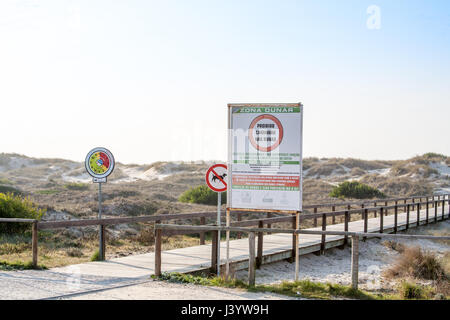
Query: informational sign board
[(265, 156), (216, 178), (99, 164)]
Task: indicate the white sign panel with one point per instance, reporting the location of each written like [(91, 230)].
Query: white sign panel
[(265, 156)]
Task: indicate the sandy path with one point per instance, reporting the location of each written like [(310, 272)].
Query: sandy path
[(335, 265), (160, 290)]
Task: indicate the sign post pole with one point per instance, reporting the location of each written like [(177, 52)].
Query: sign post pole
[(100, 237), (227, 272), (219, 200), (216, 181), (99, 164), (297, 225)]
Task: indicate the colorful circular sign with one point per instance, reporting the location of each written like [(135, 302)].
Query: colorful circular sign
[(216, 177), (99, 162), (265, 133)]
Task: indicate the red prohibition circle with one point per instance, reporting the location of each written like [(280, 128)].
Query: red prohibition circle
[(209, 183), (252, 138)]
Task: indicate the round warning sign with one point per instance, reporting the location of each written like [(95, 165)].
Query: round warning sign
[(99, 162), (265, 132), (216, 177)]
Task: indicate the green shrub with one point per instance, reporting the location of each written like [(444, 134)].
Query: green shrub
[(8, 189), (95, 256), (5, 181), (433, 155), (355, 189), (201, 195), (12, 206), (409, 290), (76, 186), (19, 265)]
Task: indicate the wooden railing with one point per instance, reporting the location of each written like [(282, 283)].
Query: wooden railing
[(409, 203), (253, 262)]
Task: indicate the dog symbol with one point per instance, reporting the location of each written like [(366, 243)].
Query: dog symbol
[(214, 178)]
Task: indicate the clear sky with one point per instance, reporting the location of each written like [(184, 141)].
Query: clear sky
[(150, 80)]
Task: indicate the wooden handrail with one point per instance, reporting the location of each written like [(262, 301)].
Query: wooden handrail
[(154, 218), (299, 231), (237, 226), (18, 220)]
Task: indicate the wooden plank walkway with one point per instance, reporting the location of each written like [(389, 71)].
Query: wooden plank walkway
[(276, 247), (137, 268)]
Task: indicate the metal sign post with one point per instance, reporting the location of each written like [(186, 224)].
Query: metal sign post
[(219, 203), (216, 181), (297, 225), (100, 236), (99, 164), (227, 265)]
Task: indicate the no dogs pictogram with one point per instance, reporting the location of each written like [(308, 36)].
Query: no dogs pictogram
[(216, 177)]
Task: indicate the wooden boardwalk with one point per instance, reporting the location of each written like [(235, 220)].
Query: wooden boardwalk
[(276, 247), (86, 277)]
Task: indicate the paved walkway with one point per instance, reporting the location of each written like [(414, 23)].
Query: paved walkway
[(120, 272)]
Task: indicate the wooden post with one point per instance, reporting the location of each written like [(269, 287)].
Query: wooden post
[(427, 210), (355, 261), (315, 218), (239, 218), (158, 252), (297, 226), (227, 265), (202, 234), (395, 218), (346, 220), (34, 243), (435, 211), (324, 228), (366, 218), (385, 210), (381, 220), (333, 218), (260, 246), (375, 212), (348, 208), (294, 239), (251, 259), (407, 216), (102, 242), (418, 215), (214, 251), (443, 209), (269, 225), (448, 198), (404, 208)]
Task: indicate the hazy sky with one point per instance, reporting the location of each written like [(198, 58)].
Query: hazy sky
[(150, 80)]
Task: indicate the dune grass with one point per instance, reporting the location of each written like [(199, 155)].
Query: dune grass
[(300, 289)]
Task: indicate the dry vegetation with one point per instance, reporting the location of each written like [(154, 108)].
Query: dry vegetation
[(421, 274), (64, 189)]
